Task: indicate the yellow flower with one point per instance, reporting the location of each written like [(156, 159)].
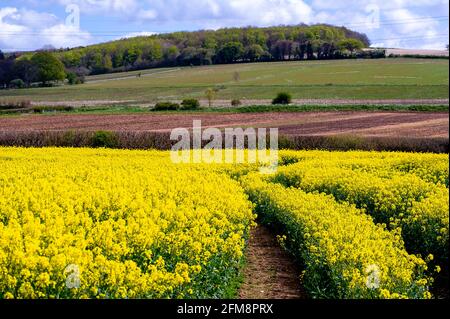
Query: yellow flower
[(132, 224), (84, 223)]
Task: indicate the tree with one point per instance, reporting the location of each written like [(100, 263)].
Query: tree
[(93, 60), (25, 70), (188, 56), (254, 36), (326, 51), (2, 55), (209, 42), (171, 54), (274, 37), (227, 45), (131, 56), (210, 95), (107, 62), (349, 34), (236, 76), (309, 50), (231, 52), (6, 67), (282, 49), (351, 45), (155, 52), (301, 50), (194, 56), (71, 59), (117, 59), (254, 52), (49, 68)]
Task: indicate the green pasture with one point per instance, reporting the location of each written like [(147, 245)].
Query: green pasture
[(341, 79)]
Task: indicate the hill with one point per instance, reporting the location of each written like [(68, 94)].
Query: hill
[(339, 79), (215, 47)]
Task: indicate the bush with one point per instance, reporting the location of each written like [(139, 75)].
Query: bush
[(372, 54), (190, 104), (104, 139), (166, 106), (17, 84), (49, 68), (236, 102), (61, 108), (282, 98), (73, 78)]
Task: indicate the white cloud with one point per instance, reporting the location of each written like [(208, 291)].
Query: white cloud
[(8, 38), (403, 23), (147, 14), (33, 19), (22, 29), (412, 30), (273, 11), (95, 6), (243, 12), (138, 34), (383, 4), (61, 36), (410, 23)]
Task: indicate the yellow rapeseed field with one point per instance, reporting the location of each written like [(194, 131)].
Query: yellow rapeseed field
[(129, 224), (97, 223), (405, 191)]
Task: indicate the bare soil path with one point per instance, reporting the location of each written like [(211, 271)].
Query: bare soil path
[(270, 272)]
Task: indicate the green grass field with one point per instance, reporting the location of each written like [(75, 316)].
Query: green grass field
[(343, 79)]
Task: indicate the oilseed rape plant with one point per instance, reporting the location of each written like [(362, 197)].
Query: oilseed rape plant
[(85, 223), (390, 197), (339, 245), (135, 225)]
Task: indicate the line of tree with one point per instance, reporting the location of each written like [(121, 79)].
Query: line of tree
[(206, 47), (43, 67)]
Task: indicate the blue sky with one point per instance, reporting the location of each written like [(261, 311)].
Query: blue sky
[(32, 24)]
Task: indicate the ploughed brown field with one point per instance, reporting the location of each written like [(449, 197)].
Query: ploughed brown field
[(383, 124)]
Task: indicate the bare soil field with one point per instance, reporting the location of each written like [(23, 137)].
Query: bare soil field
[(417, 52), (382, 124)]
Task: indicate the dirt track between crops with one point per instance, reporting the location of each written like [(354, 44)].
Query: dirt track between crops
[(270, 272), (387, 124)]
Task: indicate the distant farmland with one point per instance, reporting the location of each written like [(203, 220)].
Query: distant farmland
[(342, 79)]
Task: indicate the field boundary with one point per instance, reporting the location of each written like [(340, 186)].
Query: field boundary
[(253, 102), (161, 141)]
